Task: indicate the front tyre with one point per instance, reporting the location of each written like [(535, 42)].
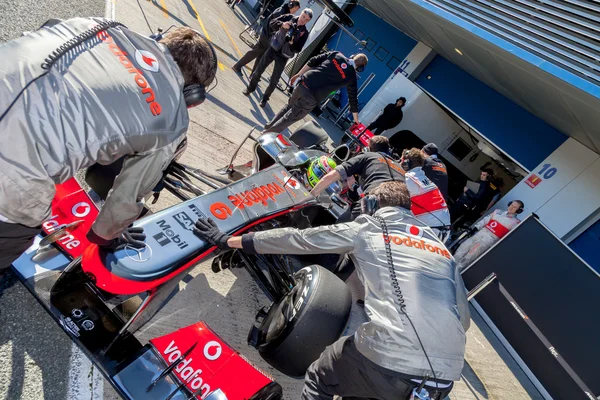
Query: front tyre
[(312, 316)]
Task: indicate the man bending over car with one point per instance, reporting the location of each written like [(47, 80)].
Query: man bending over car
[(85, 91), (415, 300)]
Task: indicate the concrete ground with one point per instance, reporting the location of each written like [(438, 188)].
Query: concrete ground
[(37, 360)]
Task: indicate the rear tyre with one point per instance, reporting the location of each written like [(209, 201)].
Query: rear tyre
[(297, 329)]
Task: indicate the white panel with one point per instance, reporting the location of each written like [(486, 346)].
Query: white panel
[(572, 205), (570, 160)]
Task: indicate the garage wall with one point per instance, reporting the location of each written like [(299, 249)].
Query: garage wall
[(563, 190), (523, 136)]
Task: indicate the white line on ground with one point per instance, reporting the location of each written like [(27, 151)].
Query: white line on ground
[(85, 381)]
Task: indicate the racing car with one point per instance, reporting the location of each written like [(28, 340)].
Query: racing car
[(101, 298)]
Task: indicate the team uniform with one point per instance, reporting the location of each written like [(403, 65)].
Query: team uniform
[(428, 203), (435, 170), (490, 229), (117, 94), (385, 349)]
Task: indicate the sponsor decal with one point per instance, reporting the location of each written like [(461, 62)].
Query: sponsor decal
[(184, 220), (68, 240), (196, 211), (518, 309), (344, 65), (302, 296), (212, 351), (169, 236), (533, 180), (414, 231), (140, 255), (162, 239), (339, 68), (418, 244), (291, 182), (138, 77), (147, 60), (69, 326), (80, 210), (248, 198)]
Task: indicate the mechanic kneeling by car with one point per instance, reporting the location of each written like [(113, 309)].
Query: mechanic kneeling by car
[(415, 300)]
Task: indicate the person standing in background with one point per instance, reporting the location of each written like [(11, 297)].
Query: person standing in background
[(263, 45), (392, 115)]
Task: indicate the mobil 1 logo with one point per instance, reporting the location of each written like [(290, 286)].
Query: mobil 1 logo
[(168, 235)]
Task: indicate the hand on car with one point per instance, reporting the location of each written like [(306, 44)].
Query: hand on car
[(465, 189), (132, 236), (294, 79), (206, 229)]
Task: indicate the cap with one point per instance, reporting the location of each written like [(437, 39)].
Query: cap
[(430, 149)]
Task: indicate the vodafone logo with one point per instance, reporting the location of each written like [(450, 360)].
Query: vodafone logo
[(414, 231), (212, 354), (493, 224), (147, 60), (80, 210), (344, 65)]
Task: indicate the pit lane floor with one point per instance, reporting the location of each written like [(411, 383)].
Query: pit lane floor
[(36, 358)]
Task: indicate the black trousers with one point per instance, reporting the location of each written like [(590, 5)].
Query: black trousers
[(255, 53), (377, 127), (343, 371), (266, 60), (14, 240), (300, 104)]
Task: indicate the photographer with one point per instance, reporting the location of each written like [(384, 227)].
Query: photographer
[(263, 41), (415, 300), (290, 35)]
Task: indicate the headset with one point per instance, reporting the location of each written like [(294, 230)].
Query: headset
[(357, 68), (521, 208), (195, 94)]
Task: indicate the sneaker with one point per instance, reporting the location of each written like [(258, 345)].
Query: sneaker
[(247, 92), (263, 103), (237, 71)]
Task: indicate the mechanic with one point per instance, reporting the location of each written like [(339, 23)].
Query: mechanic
[(372, 168), (470, 203), (322, 74), (392, 115), (117, 94), (428, 204), (487, 232), (416, 302), (435, 169), (294, 34), (262, 45)]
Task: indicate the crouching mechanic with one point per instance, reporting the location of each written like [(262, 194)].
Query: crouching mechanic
[(415, 300), (87, 91), (427, 202), (372, 168), (488, 231)]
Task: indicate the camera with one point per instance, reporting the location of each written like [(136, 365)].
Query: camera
[(290, 33)]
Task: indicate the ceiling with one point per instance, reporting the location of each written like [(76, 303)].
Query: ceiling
[(555, 94)]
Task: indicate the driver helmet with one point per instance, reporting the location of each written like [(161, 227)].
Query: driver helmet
[(318, 168)]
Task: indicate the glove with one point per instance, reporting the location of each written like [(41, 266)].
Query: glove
[(133, 237), (207, 229)]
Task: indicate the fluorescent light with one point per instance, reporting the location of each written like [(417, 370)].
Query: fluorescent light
[(458, 51)]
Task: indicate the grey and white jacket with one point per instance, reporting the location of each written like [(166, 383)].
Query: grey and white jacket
[(432, 287), (116, 94)]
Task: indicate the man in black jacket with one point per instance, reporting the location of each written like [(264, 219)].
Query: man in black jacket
[(435, 169), (294, 29), (320, 76), (392, 116), (263, 41), (474, 203)]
